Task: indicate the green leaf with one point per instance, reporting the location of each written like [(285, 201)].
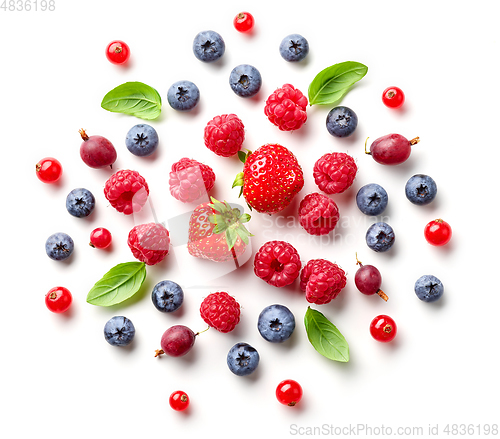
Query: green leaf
[(238, 181), (245, 218), (118, 284), (242, 156), (134, 98), (231, 237), (332, 83), (325, 337)]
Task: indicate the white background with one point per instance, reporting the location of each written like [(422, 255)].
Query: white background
[(60, 377)]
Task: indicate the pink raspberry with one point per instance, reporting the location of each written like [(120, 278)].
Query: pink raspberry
[(318, 214), (127, 191), (278, 263), (286, 108), (220, 311), (322, 281), (224, 135), (190, 180), (149, 243), (335, 172)]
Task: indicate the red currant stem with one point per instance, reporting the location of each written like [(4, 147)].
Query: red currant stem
[(358, 262), (415, 140), (383, 295), (118, 49), (53, 296), (83, 134), (201, 332), (241, 15), (184, 398), (92, 245), (439, 220), (38, 167), (387, 329), (292, 403), (391, 94), (159, 352), (366, 141)]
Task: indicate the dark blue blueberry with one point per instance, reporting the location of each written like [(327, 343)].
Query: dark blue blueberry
[(167, 296), (420, 189), (242, 359), (428, 288), (341, 121), (119, 331), (142, 140), (276, 323), (245, 80), (294, 48), (59, 246), (183, 95), (80, 202), (372, 199), (208, 46), (380, 237)]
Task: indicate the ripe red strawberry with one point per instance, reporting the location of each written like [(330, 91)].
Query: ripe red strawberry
[(271, 177), (217, 233)]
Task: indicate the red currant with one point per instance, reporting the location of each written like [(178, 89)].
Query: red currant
[(383, 328), (393, 97), (437, 232), (100, 238), (243, 22), (49, 170), (58, 299), (179, 400), (117, 52), (289, 392)]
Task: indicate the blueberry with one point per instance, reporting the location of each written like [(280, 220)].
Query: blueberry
[(80, 202), (142, 140), (167, 296), (420, 189), (372, 199), (59, 246), (294, 48), (341, 121), (119, 331), (245, 80), (380, 237), (428, 288), (183, 95), (276, 323), (242, 359), (208, 46)]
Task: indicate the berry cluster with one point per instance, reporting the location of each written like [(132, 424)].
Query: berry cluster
[(270, 180)]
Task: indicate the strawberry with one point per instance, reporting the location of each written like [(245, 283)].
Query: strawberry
[(217, 233), (270, 179)]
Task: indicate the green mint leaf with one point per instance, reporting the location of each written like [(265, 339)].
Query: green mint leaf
[(134, 98), (118, 284), (332, 83), (325, 337)]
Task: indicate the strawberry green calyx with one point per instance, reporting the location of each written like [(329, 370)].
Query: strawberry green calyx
[(229, 221)]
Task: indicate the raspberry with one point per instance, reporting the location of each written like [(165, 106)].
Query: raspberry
[(278, 263), (149, 243), (224, 135), (127, 191), (322, 281), (220, 311), (286, 108), (318, 214), (189, 180), (335, 172)]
